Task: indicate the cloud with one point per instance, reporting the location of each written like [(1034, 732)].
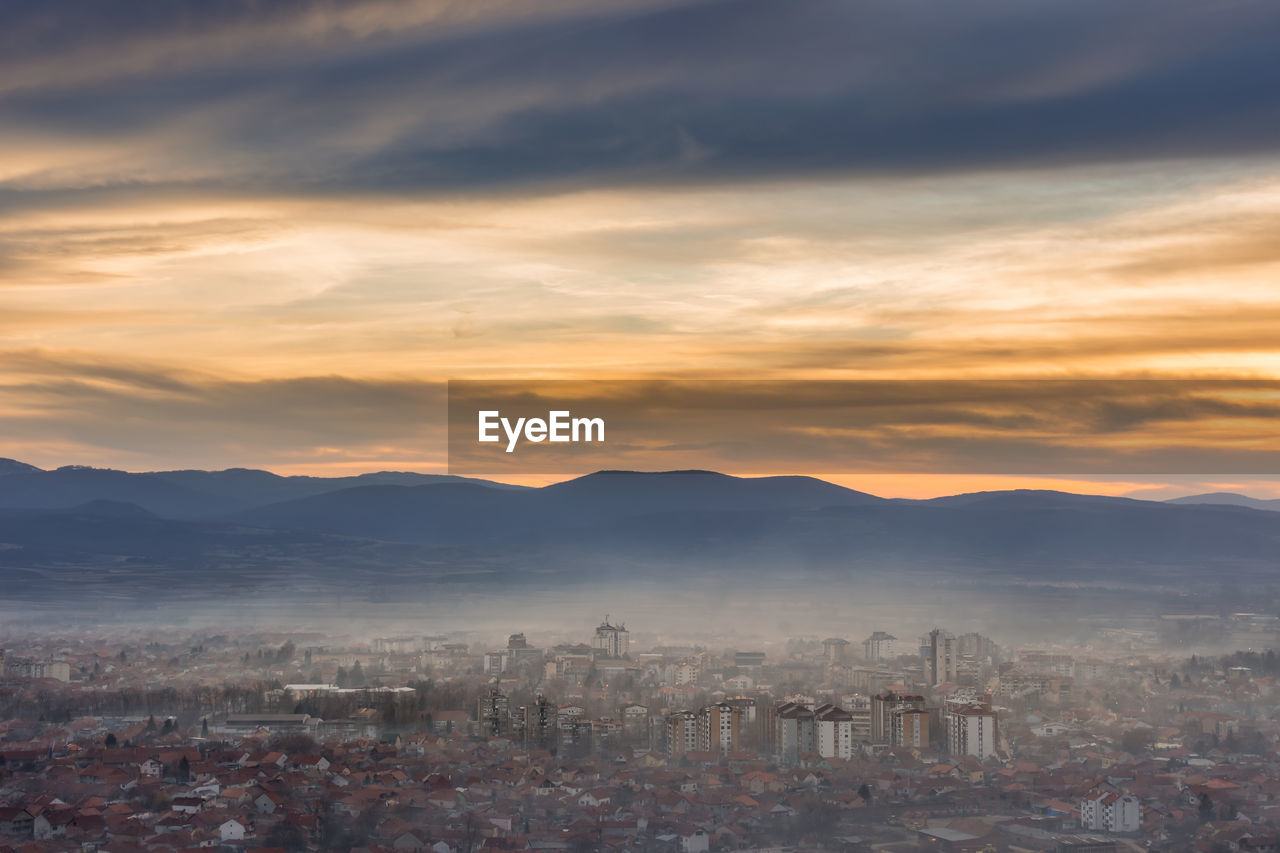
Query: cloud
[(438, 97), (235, 199), (1088, 428), (135, 414)]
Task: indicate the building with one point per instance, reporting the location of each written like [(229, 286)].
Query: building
[(1047, 663), (859, 708), (493, 712), (682, 733), (1110, 811), (972, 729), (835, 650), (879, 646), (396, 645), (978, 647), (720, 728), (796, 733), (247, 723), (497, 661), (635, 723), (833, 732), (686, 672), (752, 724), (28, 668), (1016, 684), (909, 727), (882, 707), (941, 657), (610, 641), (745, 659), (539, 724)]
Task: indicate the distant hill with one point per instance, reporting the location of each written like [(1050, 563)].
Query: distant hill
[(395, 531), (72, 486), (466, 513), (13, 466), (103, 551), (1230, 499), (189, 494), (713, 517)]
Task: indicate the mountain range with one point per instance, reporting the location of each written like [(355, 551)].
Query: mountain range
[(87, 528)]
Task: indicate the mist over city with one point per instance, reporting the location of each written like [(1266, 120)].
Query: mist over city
[(649, 426), (678, 661)]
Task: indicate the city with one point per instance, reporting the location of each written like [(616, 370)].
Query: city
[(946, 741), (938, 508)]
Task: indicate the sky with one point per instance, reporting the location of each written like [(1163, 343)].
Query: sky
[(264, 235)]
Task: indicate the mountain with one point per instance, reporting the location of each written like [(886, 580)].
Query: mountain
[(715, 519), (251, 487), (109, 509), (636, 492), (13, 466), (106, 551), (453, 513), (1229, 499), (407, 536), (1017, 499), (74, 485), (188, 494)]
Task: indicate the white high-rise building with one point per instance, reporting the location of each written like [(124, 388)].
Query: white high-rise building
[(611, 641), (1110, 811), (833, 731), (972, 730), (796, 734), (879, 646)]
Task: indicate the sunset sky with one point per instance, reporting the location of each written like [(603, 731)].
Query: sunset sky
[(263, 235)]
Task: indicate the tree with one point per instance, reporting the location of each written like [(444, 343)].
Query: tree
[(288, 836), (110, 740), (204, 728), (817, 818), (357, 675), (1206, 808), (865, 792), (296, 744), (1136, 741), (184, 771), (470, 833)]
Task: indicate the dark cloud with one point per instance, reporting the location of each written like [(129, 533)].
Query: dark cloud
[(1007, 427), (151, 412), (93, 408), (695, 91)]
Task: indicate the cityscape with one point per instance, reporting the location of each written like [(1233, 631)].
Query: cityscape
[(178, 739), (639, 426)]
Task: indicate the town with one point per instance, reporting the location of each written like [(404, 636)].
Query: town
[(175, 738)]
